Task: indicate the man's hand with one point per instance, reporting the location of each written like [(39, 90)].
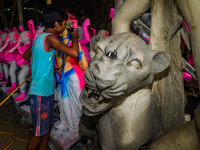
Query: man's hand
[(75, 34)]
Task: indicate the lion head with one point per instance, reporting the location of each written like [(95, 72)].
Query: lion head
[(120, 65)]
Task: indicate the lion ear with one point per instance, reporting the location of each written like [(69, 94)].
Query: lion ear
[(160, 60), (93, 41)]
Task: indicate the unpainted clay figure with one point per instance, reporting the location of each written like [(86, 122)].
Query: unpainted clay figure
[(130, 10), (118, 106), (189, 9)]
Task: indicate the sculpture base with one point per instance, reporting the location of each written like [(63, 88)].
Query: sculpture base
[(1, 81), (4, 88), (63, 140), (5, 95), (18, 104), (26, 114)]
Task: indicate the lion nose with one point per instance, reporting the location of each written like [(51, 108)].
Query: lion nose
[(105, 72), (103, 84)]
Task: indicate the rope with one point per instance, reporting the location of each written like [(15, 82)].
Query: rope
[(12, 133)]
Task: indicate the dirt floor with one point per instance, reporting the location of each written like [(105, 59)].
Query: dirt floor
[(8, 114), (23, 130)]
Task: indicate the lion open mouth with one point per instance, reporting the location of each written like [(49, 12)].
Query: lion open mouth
[(93, 102)]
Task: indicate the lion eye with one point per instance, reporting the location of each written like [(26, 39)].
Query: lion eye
[(132, 65), (112, 55)]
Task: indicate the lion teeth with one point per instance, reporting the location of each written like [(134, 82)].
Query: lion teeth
[(96, 105), (89, 91), (92, 97), (100, 98)]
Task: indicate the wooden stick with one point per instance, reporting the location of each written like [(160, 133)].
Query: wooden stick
[(20, 15), (4, 15), (13, 14)]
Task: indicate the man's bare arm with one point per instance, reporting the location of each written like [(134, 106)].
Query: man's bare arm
[(27, 54), (72, 51)]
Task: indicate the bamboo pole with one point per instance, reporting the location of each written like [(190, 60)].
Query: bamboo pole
[(20, 15), (13, 14), (48, 2), (36, 13), (4, 15)]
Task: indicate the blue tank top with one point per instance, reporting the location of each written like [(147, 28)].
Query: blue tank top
[(42, 71)]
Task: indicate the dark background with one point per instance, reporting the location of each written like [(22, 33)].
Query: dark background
[(96, 10)]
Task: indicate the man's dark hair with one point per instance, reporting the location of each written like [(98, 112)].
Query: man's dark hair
[(51, 14)]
